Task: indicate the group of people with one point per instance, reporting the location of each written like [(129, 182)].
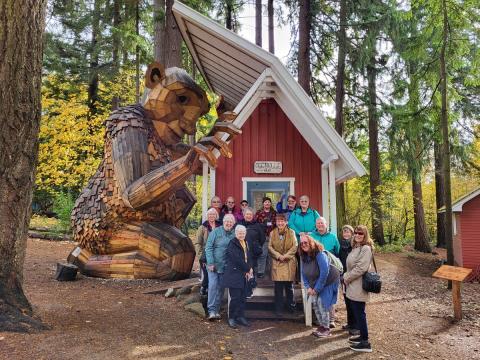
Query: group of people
[(237, 245)]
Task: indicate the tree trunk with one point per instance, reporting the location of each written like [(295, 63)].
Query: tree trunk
[(375, 180), (137, 52), (421, 234), (304, 27), (258, 22), (439, 194), (173, 39), (229, 15), (339, 101), (116, 46), (445, 138), (159, 25), (271, 32), (94, 61), (116, 36), (21, 29)]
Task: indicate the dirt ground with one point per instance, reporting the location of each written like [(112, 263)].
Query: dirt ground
[(112, 319)]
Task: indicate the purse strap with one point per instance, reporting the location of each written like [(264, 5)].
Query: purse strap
[(374, 265)]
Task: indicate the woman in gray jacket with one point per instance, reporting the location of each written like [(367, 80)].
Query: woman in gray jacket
[(358, 263)]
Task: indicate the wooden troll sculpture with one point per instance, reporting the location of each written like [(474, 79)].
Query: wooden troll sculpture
[(126, 219)]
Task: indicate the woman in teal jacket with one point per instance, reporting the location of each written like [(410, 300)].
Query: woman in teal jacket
[(302, 220)]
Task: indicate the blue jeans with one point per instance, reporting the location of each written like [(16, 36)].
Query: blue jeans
[(358, 309), (215, 291), (263, 258), (322, 313)]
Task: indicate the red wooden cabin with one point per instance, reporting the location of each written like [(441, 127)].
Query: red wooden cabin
[(466, 237)]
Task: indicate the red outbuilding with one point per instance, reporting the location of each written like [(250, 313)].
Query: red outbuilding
[(286, 146), (466, 236)]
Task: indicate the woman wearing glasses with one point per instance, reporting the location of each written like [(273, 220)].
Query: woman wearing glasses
[(321, 280), (358, 263)]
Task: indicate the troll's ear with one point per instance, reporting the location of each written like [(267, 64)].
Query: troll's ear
[(154, 75)]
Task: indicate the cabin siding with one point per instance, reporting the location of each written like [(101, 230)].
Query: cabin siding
[(470, 235), (268, 135)]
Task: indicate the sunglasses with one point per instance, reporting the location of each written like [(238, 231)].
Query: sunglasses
[(358, 233)]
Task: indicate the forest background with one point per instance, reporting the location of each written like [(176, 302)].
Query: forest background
[(379, 64)]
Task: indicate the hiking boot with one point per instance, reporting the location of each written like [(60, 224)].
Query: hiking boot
[(232, 323), (354, 332), (354, 339), (322, 332), (242, 321), (332, 325), (363, 346), (346, 327)]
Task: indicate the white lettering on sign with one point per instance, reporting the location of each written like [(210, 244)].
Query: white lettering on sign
[(267, 167)]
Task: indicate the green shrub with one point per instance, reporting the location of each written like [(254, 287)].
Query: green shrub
[(62, 206)]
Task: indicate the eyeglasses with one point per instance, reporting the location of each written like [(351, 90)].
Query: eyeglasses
[(358, 233), (230, 202), (303, 242)]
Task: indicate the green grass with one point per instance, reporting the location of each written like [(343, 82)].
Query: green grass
[(48, 225)]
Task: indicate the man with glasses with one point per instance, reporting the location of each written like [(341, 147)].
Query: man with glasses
[(230, 208)]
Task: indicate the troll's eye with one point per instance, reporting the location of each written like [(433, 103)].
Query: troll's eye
[(182, 99)]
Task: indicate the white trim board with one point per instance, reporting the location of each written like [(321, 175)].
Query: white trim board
[(245, 180)]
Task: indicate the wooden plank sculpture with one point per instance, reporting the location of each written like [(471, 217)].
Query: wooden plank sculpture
[(126, 219)]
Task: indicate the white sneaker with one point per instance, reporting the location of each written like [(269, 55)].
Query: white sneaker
[(212, 316)]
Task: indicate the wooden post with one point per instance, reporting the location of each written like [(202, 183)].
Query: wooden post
[(325, 209), (457, 299), (333, 198), (456, 275), (204, 190)]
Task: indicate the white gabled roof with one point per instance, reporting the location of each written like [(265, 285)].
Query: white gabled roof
[(245, 74), (457, 206)]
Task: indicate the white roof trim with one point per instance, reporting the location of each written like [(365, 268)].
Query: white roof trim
[(457, 206), (287, 92)]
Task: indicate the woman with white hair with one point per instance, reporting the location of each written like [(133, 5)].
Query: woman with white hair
[(238, 269), (201, 240), (217, 243)]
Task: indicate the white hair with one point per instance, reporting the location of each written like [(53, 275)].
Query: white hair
[(239, 228), (248, 209), (322, 219), (229, 216), (213, 211)]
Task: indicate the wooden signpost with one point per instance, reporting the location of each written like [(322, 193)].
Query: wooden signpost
[(456, 275)]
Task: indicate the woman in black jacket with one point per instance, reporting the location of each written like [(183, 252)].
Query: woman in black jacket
[(238, 269), (255, 236)]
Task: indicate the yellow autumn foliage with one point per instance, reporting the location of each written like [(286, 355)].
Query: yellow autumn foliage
[(71, 139)]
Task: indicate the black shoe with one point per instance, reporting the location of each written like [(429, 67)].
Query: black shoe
[(354, 339), (363, 346), (232, 323), (346, 327), (242, 321), (354, 332)]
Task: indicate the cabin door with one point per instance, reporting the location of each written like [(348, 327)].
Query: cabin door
[(255, 189)]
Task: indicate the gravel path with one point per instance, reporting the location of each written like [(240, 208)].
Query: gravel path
[(107, 319)]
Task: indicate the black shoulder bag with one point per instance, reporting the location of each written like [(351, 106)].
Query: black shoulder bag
[(371, 281)]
